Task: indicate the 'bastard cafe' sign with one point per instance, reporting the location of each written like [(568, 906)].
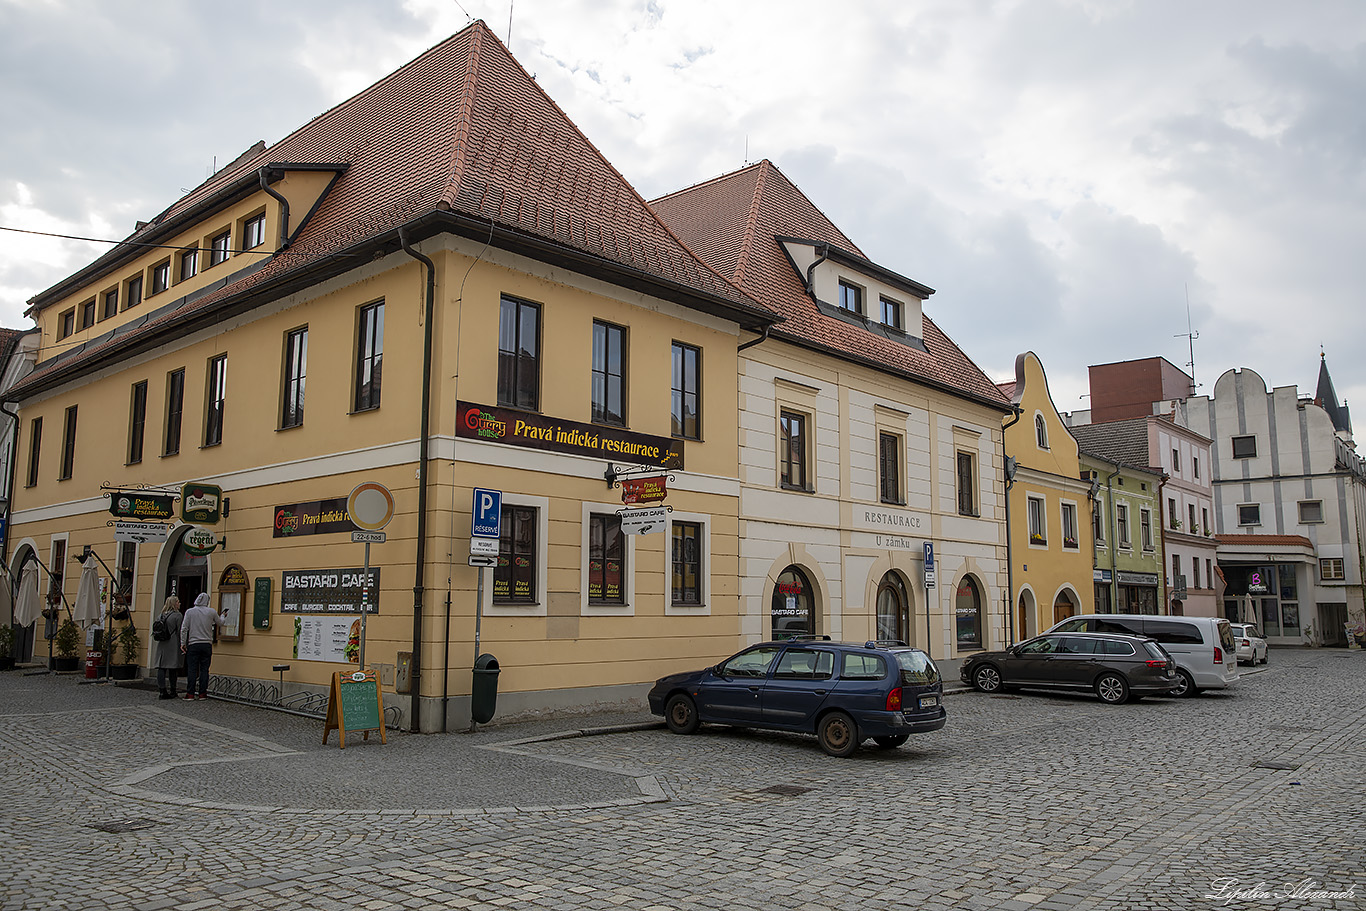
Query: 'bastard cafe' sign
[(536, 431)]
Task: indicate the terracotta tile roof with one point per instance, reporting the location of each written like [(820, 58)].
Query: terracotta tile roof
[(463, 130), (732, 222), (1116, 441)]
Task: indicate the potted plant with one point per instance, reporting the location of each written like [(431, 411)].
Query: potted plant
[(129, 645), (66, 643), (6, 647)]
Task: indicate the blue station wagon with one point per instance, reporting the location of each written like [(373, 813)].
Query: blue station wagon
[(842, 692)]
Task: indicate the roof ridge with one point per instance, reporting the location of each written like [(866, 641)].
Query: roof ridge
[(751, 222), (460, 142)]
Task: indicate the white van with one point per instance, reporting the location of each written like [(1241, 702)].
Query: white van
[(1205, 652)]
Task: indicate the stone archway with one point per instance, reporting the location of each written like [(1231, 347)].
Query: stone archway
[(1026, 615), (1065, 604)]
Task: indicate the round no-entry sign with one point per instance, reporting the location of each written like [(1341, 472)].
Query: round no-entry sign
[(370, 506)]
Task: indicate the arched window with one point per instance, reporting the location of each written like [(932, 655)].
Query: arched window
[(968, 608), (891, 609), (1041, 431), (793, 608)]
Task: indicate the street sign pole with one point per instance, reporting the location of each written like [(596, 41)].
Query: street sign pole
[(478, 616), (364, 603)]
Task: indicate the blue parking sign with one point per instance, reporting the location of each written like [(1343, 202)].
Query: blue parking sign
[(486, 512)]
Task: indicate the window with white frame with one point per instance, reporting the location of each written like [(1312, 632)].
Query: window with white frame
[(519, 578), (1145, 528), (1250, 514), (1037, 531), (689, 543), (1122, 524), (1069, 526), (1040, 431), (608, 569), (1331, 569)]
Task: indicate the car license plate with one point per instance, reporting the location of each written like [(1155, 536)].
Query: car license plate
[(928, 702)]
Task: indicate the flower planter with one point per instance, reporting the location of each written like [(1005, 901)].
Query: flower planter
[(66, 665), (123, 672), (6, 663)]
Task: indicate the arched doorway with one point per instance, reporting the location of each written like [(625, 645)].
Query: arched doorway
[(793, 610), (967, 607), (1063, 607), (186, 575), (893, 609), (1025, 623), (25, 639)]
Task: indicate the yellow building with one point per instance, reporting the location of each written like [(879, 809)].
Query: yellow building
[(436, 286), (1051, 543)]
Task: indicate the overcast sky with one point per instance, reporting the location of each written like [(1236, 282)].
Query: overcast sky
[(1065, 173)]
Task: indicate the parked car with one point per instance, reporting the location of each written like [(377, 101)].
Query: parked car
[(1115, 667), (1206, 657), (842, 692), (1250, 644)]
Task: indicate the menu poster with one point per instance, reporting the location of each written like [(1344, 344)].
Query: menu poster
[(334, 639)]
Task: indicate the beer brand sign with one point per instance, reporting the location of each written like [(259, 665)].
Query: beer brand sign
[(200, 504), (536, 431)]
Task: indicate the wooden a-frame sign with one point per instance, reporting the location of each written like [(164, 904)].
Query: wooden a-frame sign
[(355, 704)]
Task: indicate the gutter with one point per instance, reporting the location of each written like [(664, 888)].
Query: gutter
[(824, 250), (420, 561), (1114, 535)]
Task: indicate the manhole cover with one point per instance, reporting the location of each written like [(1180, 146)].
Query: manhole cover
[(785, 790), (117, 826), (1281, 766)]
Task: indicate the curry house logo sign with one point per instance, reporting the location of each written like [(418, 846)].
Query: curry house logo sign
[(535, 431)]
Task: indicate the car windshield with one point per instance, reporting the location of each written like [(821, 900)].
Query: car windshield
[(917, 668), (753, 663)]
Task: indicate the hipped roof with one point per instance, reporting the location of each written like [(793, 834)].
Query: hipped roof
[(461, 139), (734, 222)]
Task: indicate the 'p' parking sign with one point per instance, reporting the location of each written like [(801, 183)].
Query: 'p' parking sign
[(485, 513)]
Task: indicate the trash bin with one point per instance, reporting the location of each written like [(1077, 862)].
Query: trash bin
[(484, 695), (94, 663)]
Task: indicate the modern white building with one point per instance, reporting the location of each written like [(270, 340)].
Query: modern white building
[(1290, 502)]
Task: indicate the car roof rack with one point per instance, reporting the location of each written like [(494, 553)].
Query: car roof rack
[(885, 643), (807, 637)]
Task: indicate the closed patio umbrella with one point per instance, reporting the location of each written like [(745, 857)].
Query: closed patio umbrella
[(29, 605), (88, 595)]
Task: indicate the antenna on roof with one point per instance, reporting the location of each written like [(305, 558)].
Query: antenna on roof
[(1190, 336), (746, 148), (468, 17), (510, 3)]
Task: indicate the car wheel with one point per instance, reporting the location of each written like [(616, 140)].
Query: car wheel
[(987, 678), (1185, 684), (680, 714), (1112, 689), (891, 741), (1266, 656), (838, 734)]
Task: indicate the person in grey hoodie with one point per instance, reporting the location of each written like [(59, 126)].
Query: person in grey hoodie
[(196, 641), (167, 656)]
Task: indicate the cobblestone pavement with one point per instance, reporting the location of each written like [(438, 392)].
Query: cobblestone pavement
[(1039, 801)]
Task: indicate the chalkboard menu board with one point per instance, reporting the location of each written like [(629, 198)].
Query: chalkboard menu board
[(260, 617), (355, 704)]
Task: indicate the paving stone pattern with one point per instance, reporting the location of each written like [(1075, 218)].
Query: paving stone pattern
[(114, 799)]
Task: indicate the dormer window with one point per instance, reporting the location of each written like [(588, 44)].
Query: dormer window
[(891, 314), (851, 298), (1041, 431)]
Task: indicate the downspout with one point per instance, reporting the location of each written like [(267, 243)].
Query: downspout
[(1166, 589), (284, 209), (1114, 536), (421, 558), (9, 482), (763, 337), (1010, 563), (823, 253)]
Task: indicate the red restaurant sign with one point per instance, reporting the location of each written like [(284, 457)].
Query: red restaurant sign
[(644, 490)]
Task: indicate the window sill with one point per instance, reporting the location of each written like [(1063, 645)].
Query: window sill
[(886, 502), (792, 489), (363, 410), (168, 455), (290, 427)]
